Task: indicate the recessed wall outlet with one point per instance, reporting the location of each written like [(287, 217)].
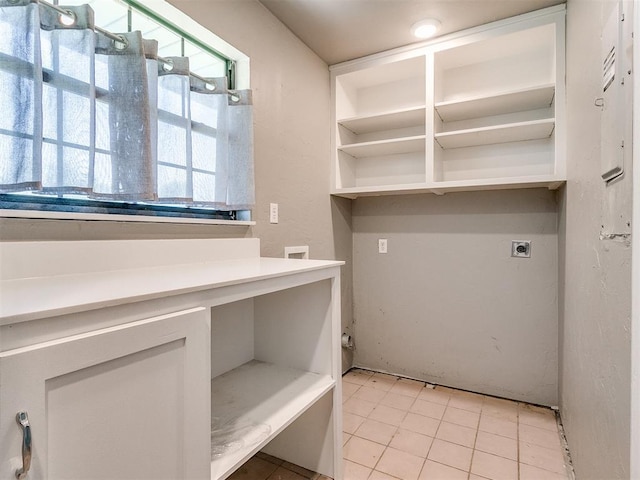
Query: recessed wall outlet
[(521, 248), (382, 245)]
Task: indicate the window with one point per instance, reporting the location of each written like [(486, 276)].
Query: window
[(184, 150)]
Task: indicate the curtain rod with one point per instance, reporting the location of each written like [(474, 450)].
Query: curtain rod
[(119, 38)]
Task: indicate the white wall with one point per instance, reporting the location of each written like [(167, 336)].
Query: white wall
[(448, 304), (595, 273)]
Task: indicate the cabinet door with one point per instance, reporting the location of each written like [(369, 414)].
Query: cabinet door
[(125, 402)]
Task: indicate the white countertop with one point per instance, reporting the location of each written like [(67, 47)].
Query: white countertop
[(33, 298)]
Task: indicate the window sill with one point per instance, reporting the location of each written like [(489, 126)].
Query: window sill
[(104, 217)]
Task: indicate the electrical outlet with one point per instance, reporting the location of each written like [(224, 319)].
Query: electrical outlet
[(382, 245), (521, 248), (273, 213)]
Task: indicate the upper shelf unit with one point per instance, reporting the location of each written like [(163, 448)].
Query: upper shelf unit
[(494, 106), (488, 103), (380, 124)]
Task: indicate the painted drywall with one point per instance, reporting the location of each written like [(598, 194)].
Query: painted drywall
[(595, 273), (291, 97), (447, 303)]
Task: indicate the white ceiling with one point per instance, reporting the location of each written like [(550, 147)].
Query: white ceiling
[(340, 30)]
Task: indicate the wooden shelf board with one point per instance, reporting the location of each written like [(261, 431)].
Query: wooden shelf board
[(442, 187), (513, 132), (392, 120), (257, 401), (385, 147), (507, 102)]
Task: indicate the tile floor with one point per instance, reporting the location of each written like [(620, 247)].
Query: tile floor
[(396, 428), (265, 467)]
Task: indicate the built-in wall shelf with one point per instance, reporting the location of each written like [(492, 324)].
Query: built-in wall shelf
[(392, 120), (496, 134), (497, 104), (252, 403), (385, 147), (477, 109)]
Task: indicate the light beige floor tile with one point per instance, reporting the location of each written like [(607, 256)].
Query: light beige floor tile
[(354, 471), (363, 452), (473, 476), (400, 464), (498, 426), (472, 404), (390, 415), (461, 417), (370, 394), (348, 389), (411, 442), (254, 469), (401, 402), (381, 382), (358, 406), (538, 436), (447, 390), (376, 475), (494, 467), (285, 474), (345, 437), (420, 424), (435, 396), (502, 446), (551, 459), (359, 377), (528, 472), (410, 388), (450, 454), (537, 417), (497, 407), (457, 434), (376, 431), (351, 422), (428, 409), (438, 471)]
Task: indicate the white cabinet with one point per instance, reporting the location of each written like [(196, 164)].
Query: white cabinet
[(493, 99), (129, 401), (181, 370)]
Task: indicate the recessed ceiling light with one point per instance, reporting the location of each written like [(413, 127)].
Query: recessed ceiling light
[(425, 28)]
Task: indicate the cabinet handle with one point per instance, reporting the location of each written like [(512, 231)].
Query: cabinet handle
[(23, 420)]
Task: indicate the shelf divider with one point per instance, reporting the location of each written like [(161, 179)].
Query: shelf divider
[(386, 147), (513, 132), (505, 102), (395, 119)]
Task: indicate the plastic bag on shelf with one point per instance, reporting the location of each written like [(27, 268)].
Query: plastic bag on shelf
[(229, 436)]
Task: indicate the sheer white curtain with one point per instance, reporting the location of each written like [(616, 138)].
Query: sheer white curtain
[(84, 113)]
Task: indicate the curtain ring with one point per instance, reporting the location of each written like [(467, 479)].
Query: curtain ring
[(167, 65), (121, 44), (209, 86), (68, 19), (234, 98)]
